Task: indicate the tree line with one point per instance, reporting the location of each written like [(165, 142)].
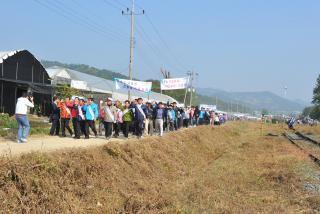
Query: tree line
[(314, 111)]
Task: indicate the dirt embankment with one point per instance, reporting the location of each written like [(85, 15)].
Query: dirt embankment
[(200, 170)]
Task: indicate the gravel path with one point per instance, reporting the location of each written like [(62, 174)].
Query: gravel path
[(49, 144)]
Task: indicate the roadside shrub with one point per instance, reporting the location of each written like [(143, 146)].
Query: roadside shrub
[(9, 126), (6, 121)]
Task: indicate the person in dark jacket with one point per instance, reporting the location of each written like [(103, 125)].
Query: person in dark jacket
[(55, 126), (159, 115), (149, 120), (139, 117), (82, 118), (196, 115), (176, 113)]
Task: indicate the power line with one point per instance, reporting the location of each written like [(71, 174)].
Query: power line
[(67, 15), (100, 18), (144, 36), (121, 4), (69, 18), (153, 47), (163, 41), (112, 4), (157, 51), (86, 19)]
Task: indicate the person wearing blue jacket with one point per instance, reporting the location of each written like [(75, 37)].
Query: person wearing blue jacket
[(202, 115), (171, 117), (91, 114)]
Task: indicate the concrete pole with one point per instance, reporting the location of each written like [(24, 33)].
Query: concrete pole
[(131, 47), (191, 89)]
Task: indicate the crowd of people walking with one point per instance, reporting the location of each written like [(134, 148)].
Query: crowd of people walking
[(135, 117)]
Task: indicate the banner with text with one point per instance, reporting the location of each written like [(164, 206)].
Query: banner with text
[(78, 84), (172, 84), (133, 85)]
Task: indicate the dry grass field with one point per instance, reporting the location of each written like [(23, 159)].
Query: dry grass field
[(228, 169), (315, 130)]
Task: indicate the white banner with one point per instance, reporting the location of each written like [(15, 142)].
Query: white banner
[(172, 84), (78, 84), (132, 85), (208, 107)]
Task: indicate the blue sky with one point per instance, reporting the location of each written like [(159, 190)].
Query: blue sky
[(238, 45)]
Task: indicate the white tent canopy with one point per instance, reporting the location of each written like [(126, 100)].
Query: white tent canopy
[(77, 79)]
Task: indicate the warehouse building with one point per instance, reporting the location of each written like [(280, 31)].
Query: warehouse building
[(22, 72)]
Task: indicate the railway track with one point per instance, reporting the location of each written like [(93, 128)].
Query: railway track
[(308, 143)]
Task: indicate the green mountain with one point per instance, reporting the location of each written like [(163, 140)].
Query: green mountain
[(223, 104), (103, 73), (203, 99)]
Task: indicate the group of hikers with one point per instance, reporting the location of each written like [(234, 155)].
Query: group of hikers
[(114, 117)]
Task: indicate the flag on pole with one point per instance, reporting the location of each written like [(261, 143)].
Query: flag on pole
[(132, 85), (172, 84)]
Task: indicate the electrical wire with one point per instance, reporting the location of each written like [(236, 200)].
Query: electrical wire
[(74, 20), (112, 27), (163, 41), (121, 4), (146, 38), (112, 4), (85, 19)]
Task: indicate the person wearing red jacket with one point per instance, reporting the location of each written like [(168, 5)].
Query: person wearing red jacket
[(74, 106)]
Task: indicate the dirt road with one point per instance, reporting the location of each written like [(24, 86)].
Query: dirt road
[(49, 144)]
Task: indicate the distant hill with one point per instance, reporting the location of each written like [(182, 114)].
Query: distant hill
[(222, 104), (255, 100), (243, 102), (103, 73), (108, 74)]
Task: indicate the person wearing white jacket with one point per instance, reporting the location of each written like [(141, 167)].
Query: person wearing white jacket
[(21, 116)]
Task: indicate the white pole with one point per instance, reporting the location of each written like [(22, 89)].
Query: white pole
[(131, 47)]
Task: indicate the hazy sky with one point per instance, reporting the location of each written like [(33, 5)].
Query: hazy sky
[(238, 45)]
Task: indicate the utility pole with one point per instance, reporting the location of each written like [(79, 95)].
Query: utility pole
[(192, 77), (285, 91), (132, 40), (216, 102), (237, 107), (185, 95)]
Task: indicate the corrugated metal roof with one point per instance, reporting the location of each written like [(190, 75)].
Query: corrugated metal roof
[(101, 85), (5, 54)]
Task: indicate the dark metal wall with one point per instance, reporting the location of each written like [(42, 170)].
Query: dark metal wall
[(20, 73), (7, 100)]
